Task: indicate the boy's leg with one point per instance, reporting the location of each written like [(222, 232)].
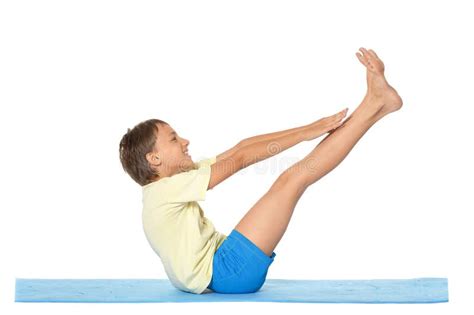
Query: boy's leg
[(266, 222)]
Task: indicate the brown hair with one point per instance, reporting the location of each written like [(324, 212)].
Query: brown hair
[(135, 144)]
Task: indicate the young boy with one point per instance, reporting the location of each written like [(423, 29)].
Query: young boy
[(196, 256)]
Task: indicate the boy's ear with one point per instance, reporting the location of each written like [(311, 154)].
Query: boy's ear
[(152, 158)]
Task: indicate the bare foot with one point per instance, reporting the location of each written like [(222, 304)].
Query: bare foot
[(387, 98)]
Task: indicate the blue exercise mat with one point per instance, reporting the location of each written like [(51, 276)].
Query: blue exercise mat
[(419, 290)]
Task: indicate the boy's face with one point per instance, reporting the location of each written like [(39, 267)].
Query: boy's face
[(171, 150)]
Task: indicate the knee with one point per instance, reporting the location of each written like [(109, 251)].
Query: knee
[(291, 179)]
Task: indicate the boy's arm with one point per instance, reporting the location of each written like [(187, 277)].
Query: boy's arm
[(255, 149), (248, 152), (256, 139), (262, 147)]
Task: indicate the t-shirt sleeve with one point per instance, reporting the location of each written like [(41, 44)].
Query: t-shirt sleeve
[(189, 186), (208, 161)]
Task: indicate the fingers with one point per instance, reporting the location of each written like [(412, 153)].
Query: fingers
[(340, 114), (336, 119)]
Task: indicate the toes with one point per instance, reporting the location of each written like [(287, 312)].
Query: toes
[(362, 59), (367, 59), (368, 56), (373, 54), (366, 53)]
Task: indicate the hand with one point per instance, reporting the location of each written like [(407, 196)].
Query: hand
[(324, 125)]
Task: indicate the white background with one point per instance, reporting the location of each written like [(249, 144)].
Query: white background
[(75, 75)]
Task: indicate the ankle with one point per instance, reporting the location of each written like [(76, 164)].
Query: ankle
[(368, 109)]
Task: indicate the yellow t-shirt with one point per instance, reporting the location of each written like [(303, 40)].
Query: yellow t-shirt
[(177, 230)]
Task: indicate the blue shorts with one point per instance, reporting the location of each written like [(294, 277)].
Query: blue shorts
[(239, 266)]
